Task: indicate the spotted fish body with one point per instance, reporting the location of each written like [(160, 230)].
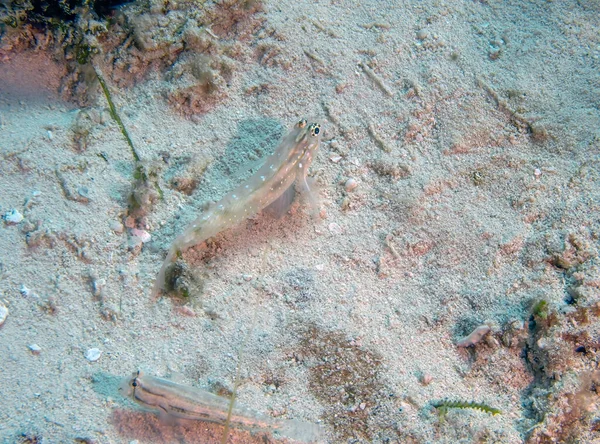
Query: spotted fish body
[(287, 165)]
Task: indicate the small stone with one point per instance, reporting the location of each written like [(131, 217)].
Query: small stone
[(335, 159), (492, 341), (426, 379), (362, 405), (247, 277), (83, 191), (143, 235), (350, 185), (3, 313), (345, 203), (542, 343), (35, 349), (494, 53), (517, 325), (97, 286), (93, 354), (13, 217), (24, 290), (421, 34), (537, 172), (130, 222), (116, 226)]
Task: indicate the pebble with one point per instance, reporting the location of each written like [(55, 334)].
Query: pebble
[(3, 313), (143, 235), (422, 34), (116, 226), (83, 191), (93, 354), (426, 379), (35, 349), (13, 217), (24, 290), (350, 185)]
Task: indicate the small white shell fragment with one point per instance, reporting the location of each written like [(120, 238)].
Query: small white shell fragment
[(335, 159), (350, 185), (142, 234), (35, 349), (93, 354), (335, 228), (24, 290), (13, 217), (475, 336), (537, 172), (3, 313)]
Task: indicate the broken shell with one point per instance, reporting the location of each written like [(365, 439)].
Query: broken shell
[(93, 354), (3, 313)]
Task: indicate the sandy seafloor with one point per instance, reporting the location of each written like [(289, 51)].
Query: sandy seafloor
[(474, 138)]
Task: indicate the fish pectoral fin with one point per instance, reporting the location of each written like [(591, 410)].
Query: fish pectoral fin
[(282, 204)]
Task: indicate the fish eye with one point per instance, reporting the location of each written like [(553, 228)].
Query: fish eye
[(315, 129), (302, 123), (134, 383)]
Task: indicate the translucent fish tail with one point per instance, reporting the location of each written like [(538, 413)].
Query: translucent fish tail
[(300, 431), (159, 283)]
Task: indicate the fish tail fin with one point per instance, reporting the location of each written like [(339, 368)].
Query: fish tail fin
[(301, 431), (159, 283)]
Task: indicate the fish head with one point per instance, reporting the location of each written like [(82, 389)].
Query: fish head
[(308, 140), (128, 385)]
